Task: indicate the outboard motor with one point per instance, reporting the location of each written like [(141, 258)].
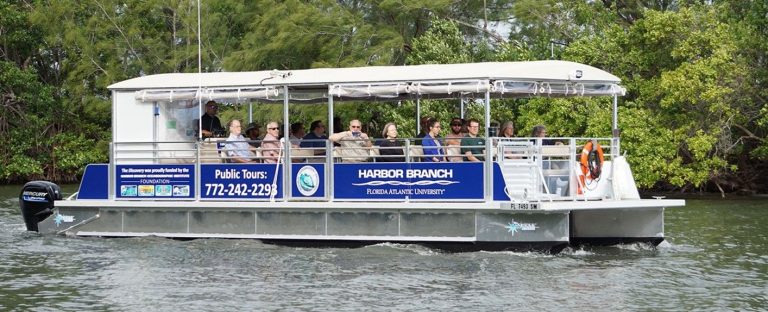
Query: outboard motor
[(36, 201)]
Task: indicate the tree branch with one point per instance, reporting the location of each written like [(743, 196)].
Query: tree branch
[(120, 30), (750, 135), (491, 33)]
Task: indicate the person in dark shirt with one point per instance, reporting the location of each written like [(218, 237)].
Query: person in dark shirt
[(472, 145), (425, 122), (253, 133), (390, 149), (211, 124), (540, 131), (316, 133)]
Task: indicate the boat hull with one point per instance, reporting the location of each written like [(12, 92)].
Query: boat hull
[(453, 227)]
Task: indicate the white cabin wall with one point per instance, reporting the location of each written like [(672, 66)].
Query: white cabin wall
[(133, 121)]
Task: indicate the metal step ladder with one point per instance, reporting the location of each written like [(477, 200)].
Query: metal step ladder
[(519, 169)]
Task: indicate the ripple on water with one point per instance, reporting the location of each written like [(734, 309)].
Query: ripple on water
[(702, 265)]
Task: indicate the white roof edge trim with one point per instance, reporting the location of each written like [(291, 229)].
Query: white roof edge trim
[(550, 70)]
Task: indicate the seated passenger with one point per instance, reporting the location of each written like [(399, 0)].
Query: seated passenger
[(211, 124), (390, 148), (353, 143), (473, 147), (270, 146), (252, 133), (237, 148), (424, 122), (507, 130), (297, 133), (453, 141), (312, 139), (540, 131), (433, 150)]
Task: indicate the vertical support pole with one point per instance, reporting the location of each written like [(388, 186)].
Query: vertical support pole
[(286, 148), (197, 177), (488, 161), (199, 77), (112, 174), (329, 148), (155, 132), (250, 112), (418, 115), (615, 144), (461, 107)]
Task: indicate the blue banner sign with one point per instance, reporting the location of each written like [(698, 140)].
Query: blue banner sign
[(155, 181), (240, 181), (397, 181), (308, 180)]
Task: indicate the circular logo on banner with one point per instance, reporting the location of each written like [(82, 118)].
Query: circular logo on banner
[(307, 180)]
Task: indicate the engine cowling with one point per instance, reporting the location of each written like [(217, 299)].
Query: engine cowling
[(37, 201)]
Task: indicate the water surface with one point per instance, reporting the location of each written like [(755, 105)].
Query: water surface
[(715, 258)]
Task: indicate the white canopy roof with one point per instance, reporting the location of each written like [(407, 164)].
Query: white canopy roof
[(523, 78)]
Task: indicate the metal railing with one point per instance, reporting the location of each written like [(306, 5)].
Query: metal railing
[(555, 168)]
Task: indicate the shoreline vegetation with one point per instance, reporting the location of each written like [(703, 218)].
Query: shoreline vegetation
[(694, 119)]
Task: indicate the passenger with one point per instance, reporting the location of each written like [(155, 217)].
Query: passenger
[(270, 146), (540, 131), (210, 123), (391, 149), (464, 127), (424, 122), (507, 130), (353, 143), (506, 133), (297, 133), (453, 141), (473, 147), (252, 133), (237, 148), (433, 150), (311, 140)]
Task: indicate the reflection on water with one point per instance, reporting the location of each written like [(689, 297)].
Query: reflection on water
[(714, 259)]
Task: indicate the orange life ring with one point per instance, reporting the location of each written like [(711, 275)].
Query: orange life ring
[(592, 159)]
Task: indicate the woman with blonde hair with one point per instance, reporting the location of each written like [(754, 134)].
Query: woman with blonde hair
[(507, 130)]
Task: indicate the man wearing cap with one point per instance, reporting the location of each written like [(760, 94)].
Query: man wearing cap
[(252, 132), (211, 124)]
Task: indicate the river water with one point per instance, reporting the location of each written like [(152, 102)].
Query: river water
[(715, 258)]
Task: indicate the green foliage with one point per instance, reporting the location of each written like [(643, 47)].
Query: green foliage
[(696, 73)]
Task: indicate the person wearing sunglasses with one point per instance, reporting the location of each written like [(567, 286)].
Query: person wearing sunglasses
[(453, 141), (211, 124), (252, 133), (354, 143), (270, 146)]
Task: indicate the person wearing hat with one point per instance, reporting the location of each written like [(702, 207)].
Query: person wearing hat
[(211, 124), (252, 132)]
